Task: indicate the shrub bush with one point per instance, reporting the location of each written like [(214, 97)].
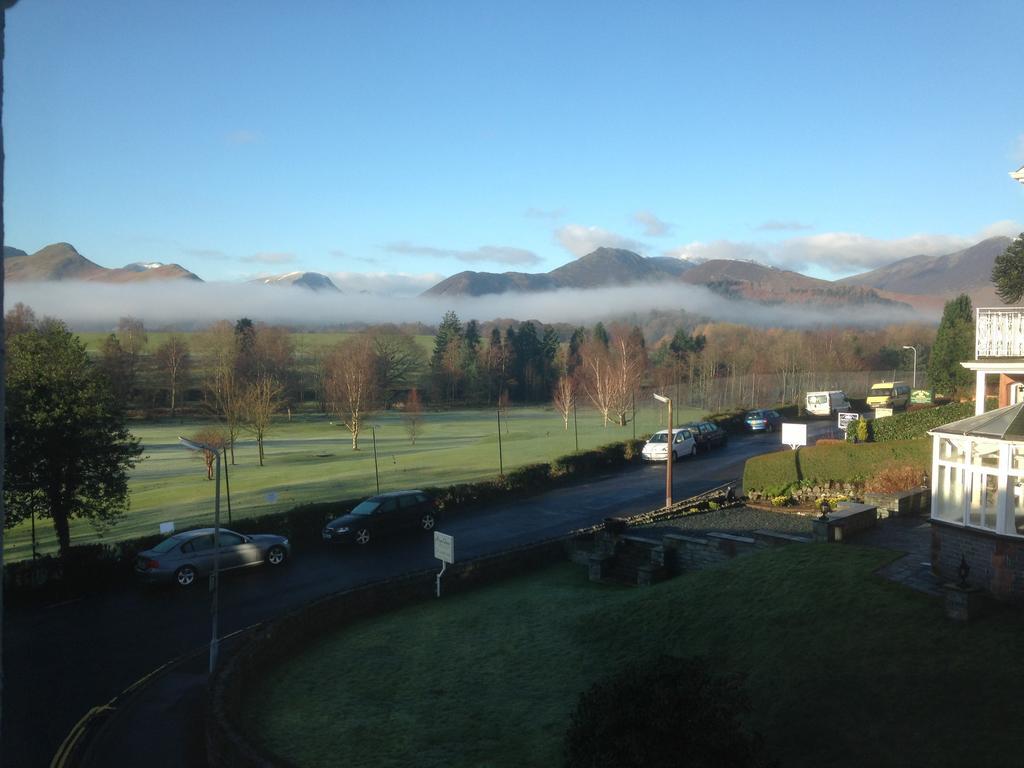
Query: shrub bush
[(894, 479), (914, 424)]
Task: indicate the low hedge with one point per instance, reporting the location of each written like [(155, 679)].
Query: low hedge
[(94, 566), (786, 471), (914, 424)]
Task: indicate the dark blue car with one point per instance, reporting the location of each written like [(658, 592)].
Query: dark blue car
[(763, 420)]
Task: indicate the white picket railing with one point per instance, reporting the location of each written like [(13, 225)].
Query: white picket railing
[(999, 332)]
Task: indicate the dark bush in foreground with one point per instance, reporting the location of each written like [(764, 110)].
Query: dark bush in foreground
[(663, 713)]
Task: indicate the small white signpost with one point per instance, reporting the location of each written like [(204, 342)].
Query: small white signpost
[(167, 527), (794, 435), (881, 413), (845, 419), (444, 550)]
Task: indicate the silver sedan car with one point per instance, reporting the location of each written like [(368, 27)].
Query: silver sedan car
[(183, 557)]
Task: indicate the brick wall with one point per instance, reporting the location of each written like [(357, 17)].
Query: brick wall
[(996, 562)]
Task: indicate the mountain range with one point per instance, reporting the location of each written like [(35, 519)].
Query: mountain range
[(923, 282)]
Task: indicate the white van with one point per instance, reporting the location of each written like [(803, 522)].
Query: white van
[(826, 403)]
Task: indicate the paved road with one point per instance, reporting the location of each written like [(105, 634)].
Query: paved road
[(64, 659)]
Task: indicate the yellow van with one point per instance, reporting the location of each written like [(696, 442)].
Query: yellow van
[(889, 394)]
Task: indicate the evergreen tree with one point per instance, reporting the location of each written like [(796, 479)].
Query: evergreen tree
[(67, 447), (954, 344), (601, 334), (1008, 272)]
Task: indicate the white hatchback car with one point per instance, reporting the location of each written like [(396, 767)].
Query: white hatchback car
[(683, 444)]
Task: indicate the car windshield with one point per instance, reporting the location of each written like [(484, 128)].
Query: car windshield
[(755, 415), (661, 437), (881, 392), (817, 399), (366, 508), (167, 544)]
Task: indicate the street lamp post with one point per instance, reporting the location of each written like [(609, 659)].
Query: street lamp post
[(670, 456), (215, 576), (914, 349)]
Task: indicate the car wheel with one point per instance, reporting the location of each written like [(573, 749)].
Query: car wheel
[(185, 576), (427, 521), (363, 536), (693, 451), (276, 555), (771, 428)]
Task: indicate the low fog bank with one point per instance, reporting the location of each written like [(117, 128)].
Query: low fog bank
[(186, 305)]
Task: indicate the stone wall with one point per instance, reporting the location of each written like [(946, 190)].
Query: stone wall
[(996, 562)]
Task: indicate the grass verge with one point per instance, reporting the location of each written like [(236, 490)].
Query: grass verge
[(843, 668)]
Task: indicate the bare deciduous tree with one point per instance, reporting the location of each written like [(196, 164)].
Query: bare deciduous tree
[(215, 439), (564, 397), (175, 361), (353, 393), (597, 378), (220, 383), (413, 415), (260, 401)]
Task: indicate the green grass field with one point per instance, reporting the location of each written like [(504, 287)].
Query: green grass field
[(308, 459), (842, 667)]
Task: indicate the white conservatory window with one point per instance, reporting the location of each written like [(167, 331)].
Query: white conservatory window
[(979, 483)]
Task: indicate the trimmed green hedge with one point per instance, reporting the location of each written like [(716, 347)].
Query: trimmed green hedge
[(914, 424), (784, 471)]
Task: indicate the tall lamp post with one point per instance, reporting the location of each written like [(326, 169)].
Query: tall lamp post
[(914, 349), (215, 576), (671, 450)]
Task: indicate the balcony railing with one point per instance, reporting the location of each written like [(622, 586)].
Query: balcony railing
[(999, 332)]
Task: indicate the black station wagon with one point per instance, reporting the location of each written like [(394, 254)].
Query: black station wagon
[(383, 515)]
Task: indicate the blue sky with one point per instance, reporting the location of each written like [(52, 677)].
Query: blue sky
[(390, 144)]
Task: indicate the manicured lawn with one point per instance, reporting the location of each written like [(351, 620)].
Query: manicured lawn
[(842, 667), (308, 460)]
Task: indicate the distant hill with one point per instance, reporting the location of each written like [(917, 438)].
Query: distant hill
[(604, 267), (314, 281), (755, 282), (968, 271), (616, 267), (60, 261)]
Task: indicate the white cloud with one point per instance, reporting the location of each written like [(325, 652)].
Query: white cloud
[(491, 254), (653, 226), (187, 304), (719, 249), (269, 258), (839, 253), (385, 283), (580, 240), (780, 225)]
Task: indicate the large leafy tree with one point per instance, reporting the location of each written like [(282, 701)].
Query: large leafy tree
[(1008, 272), (954, 343), (67, 448)]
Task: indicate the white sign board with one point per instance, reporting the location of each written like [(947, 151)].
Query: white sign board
[(882, 412), (794, 435), (167, 527), (846, 418), (444, 547)]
